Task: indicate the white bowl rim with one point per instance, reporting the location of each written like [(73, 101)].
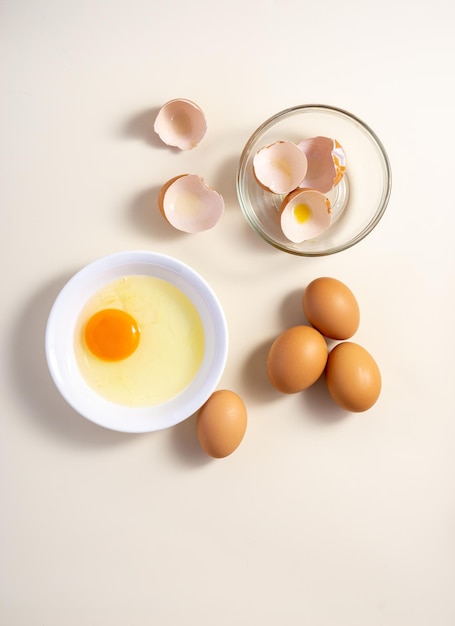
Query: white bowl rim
[(59, 342)]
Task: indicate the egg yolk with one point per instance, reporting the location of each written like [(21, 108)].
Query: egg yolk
[(112, 334), (302, 213)]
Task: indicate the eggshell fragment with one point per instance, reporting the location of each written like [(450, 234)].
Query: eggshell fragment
[(296, 359), (221, 423), (353, 377), (326, 163), (189, 204), (331, 307), (180, 123), (305, 214), (280, 167)]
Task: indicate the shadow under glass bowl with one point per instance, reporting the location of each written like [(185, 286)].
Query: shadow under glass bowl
[(358, 201)]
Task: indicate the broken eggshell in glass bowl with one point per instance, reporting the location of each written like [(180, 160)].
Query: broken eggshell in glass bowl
[(305, 214), (188, 204), (358, 199), (280, 167), (326, 163), (180, 123)]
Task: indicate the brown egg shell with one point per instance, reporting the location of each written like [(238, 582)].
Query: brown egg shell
[(326, 163), (321, 215), (296, 359), (353, 377), (331, 307), (209, 212), (221, 423), (162, 193), (180, 123), (288, 151)]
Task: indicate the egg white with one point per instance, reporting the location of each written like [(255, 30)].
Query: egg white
[(171, 345)]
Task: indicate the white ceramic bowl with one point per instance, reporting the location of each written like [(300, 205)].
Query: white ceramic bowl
[(59, 342)]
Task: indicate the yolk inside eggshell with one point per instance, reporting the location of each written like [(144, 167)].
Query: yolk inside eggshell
[(302, 213), (353, 377)]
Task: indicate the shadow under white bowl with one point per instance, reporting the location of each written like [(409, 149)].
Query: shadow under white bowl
[(60, 331)]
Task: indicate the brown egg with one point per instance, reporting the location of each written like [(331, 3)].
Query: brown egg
[(296, 359), (221, 423), (353, 377), (330, 306)]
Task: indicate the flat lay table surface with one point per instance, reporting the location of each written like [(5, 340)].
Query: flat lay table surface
[(321, 516)]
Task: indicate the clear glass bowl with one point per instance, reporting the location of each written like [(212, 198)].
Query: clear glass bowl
[(358, 201)]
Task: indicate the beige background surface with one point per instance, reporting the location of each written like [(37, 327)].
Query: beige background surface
[(320, 517)]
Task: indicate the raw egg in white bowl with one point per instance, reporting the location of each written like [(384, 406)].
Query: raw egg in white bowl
[(136, 341)]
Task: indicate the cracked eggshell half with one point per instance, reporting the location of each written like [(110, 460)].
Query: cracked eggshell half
[(189, 204), (305, 214), (180, 123), (326, 163), (280, 167)]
